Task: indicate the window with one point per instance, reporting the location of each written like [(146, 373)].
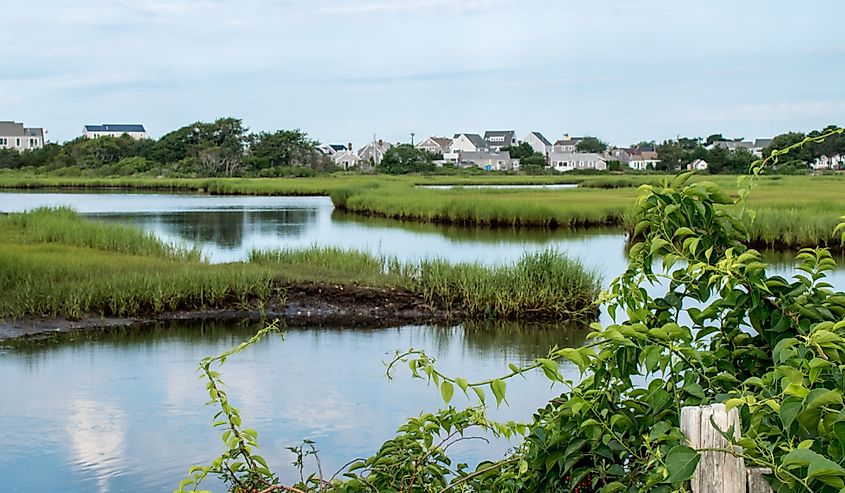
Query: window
[(17, 142), (4, 141)]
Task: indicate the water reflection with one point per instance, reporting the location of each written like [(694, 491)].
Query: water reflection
[(122, 409)]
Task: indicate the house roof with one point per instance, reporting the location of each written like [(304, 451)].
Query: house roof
[(571, 141), (761, 143), (14, 129), (115, 127), (476, 140), (541, 138), (506, 134), (338, 147), (442, 141)]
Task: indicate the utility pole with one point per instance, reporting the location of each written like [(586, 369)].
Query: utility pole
[(412, 139)]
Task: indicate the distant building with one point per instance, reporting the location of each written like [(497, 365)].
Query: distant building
[(829, 162), (641, 160), (14, 135), (539, 143), (436, 145), (136, 131), (489, 161), (568, 161), (567, 144), (468, 143), (331, 149), (499, 139), (344, 156), (697, 165), (374, 152)]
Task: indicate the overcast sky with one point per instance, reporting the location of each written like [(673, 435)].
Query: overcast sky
[(343, 70)]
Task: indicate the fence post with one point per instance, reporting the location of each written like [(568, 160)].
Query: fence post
[(717, 472), (756, 482)]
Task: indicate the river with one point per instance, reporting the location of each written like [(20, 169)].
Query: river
[(123, 410)]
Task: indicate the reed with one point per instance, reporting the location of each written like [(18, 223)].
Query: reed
[(547, 284), (55, 264)]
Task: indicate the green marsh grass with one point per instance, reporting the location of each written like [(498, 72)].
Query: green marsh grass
[(55, 264), (544, 284)]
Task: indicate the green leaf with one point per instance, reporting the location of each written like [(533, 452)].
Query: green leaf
[(462, 384), (789, 409), (681, 462), (447, 390), (498, 387), (480, 393)]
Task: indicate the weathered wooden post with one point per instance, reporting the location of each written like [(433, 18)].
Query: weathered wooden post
[(717, 472)]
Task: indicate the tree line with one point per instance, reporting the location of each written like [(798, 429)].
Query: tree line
[(224, 147)]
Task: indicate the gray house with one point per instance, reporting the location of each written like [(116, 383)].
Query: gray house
[(498, 139), (14, 135), (567, 144), (568, 161), (539, 143), (489, 161)]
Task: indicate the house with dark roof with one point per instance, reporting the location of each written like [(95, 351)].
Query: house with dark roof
[(539, 143), (567, 144), (134, 130), (468, 143), (499, 139), (488, 161), (14, 135), (436, 145), (568, 161)]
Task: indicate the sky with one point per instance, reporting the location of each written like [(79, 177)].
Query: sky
[(344, 70)]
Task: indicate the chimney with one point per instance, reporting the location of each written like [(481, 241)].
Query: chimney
[(566, 137), (349, 146)]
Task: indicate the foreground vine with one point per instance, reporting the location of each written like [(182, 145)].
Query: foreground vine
[(697, 319)]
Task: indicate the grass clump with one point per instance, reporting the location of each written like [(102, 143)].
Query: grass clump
[(547, 284)]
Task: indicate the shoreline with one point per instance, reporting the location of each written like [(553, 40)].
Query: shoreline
[(306, 305)]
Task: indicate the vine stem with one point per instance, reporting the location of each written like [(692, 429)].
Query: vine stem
[(478, 473)]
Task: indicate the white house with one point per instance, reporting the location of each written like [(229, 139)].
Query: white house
[(332, 149), (468, 143), (567, 145), (539, 143), (568, 161), (829, 162), (499, 139), (489, 161), (698, 165), (346, 159), (136, 131), (14, 135), (641, 160), (374, 151), (436, 145)]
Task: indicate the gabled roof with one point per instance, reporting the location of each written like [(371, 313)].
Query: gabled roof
[(507, 134), (476, 140), (338, 147), (571, 141), (442, 141), (761, 143), (115, 127), (542, 138)]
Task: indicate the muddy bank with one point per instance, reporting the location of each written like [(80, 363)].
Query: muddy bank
[(304, 305)]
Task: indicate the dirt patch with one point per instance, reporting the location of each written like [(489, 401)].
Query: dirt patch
[(304, 305)]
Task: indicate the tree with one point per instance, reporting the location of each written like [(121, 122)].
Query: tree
[(520, 151), (591, 144), (283, 148), (405, 158), (10, 158), (713, 138)]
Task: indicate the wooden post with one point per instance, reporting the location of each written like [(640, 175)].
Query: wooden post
[(717, 472), (756, 482)]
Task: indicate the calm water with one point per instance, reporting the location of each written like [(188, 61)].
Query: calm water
[(122, 411)]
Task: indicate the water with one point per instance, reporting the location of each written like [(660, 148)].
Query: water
[(122, 411)]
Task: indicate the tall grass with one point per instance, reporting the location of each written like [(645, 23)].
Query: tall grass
[(545, 284), (54, 263), (63, 225)]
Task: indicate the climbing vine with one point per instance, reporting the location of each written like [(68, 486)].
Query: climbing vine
[(697, 318)]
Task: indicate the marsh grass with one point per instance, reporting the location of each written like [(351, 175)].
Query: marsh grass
[(55, 264), (64, 226), (544, 284)]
